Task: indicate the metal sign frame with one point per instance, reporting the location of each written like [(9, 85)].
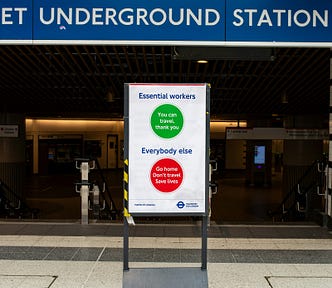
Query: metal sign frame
[(147, 133), (127, 215)]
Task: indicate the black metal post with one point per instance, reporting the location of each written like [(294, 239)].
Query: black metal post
[(204, 241), (125, 245)]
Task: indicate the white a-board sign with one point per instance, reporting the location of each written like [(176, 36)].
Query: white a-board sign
[(167, 148)]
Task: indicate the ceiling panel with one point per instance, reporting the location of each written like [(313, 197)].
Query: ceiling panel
[(87, 81)]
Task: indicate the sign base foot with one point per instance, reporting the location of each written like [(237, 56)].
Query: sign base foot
[(179, 277)]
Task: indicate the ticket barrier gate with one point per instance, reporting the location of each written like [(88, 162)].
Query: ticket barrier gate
[(85, 188), (95, 204)]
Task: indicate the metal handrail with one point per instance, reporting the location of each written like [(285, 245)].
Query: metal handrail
[(297, 189), (19, 204), (106, 189)]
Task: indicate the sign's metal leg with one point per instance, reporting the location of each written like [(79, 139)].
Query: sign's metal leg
[(125, 244), (204, 241)]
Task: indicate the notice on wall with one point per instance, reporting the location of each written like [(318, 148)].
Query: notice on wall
[(270, 133), (167, 148), (9, 131)]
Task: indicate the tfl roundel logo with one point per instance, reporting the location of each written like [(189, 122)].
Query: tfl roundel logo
[(180, 204)]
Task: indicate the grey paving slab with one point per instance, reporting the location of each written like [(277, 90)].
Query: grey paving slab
[(62, 253), (215, 232), (191, 255), (166, 255), (264, 232), (273, 256), (7, 256), (153, 230), (237, 232), (11, 229), (305, 232), (27, 256), (43, 250), (87, 254), (22, 249), (309, 256), (73, 230), (112, 254), (35, 229), (176, 229), (246, 256), (220, 256), (141, 255), (116, 230), (7, 249), (22, 256)]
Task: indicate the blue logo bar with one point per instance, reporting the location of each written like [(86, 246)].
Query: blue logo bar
[(214, 21)]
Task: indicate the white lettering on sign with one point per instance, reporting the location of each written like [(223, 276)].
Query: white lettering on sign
[(8, 14), (280, 17), (129, 16)]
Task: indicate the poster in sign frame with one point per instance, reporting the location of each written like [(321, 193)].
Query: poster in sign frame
[(166, 144)]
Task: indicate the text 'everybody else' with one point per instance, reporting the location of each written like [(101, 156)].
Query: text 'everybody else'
[(165, 151)]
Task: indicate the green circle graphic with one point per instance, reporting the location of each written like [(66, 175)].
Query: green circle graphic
[(167, 121)]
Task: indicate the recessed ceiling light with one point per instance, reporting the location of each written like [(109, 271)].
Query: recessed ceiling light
[(202, 61)]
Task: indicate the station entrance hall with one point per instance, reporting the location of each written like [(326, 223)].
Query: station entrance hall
[(165, 144), (66, 102), (268, 126)]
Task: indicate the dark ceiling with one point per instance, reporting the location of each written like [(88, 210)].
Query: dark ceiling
[(77, 81)]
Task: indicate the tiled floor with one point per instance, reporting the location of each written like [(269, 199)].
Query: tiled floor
[(63, 253), (254, 256)]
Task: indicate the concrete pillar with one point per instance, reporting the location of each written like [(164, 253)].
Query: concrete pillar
[(12, 152)]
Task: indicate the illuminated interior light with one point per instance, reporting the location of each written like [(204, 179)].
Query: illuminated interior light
[(202, 61)]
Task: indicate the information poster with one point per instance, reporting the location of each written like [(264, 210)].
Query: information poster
[(9, 131), (167, 148)]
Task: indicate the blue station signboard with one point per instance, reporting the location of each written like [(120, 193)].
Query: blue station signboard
[(210, 22)]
